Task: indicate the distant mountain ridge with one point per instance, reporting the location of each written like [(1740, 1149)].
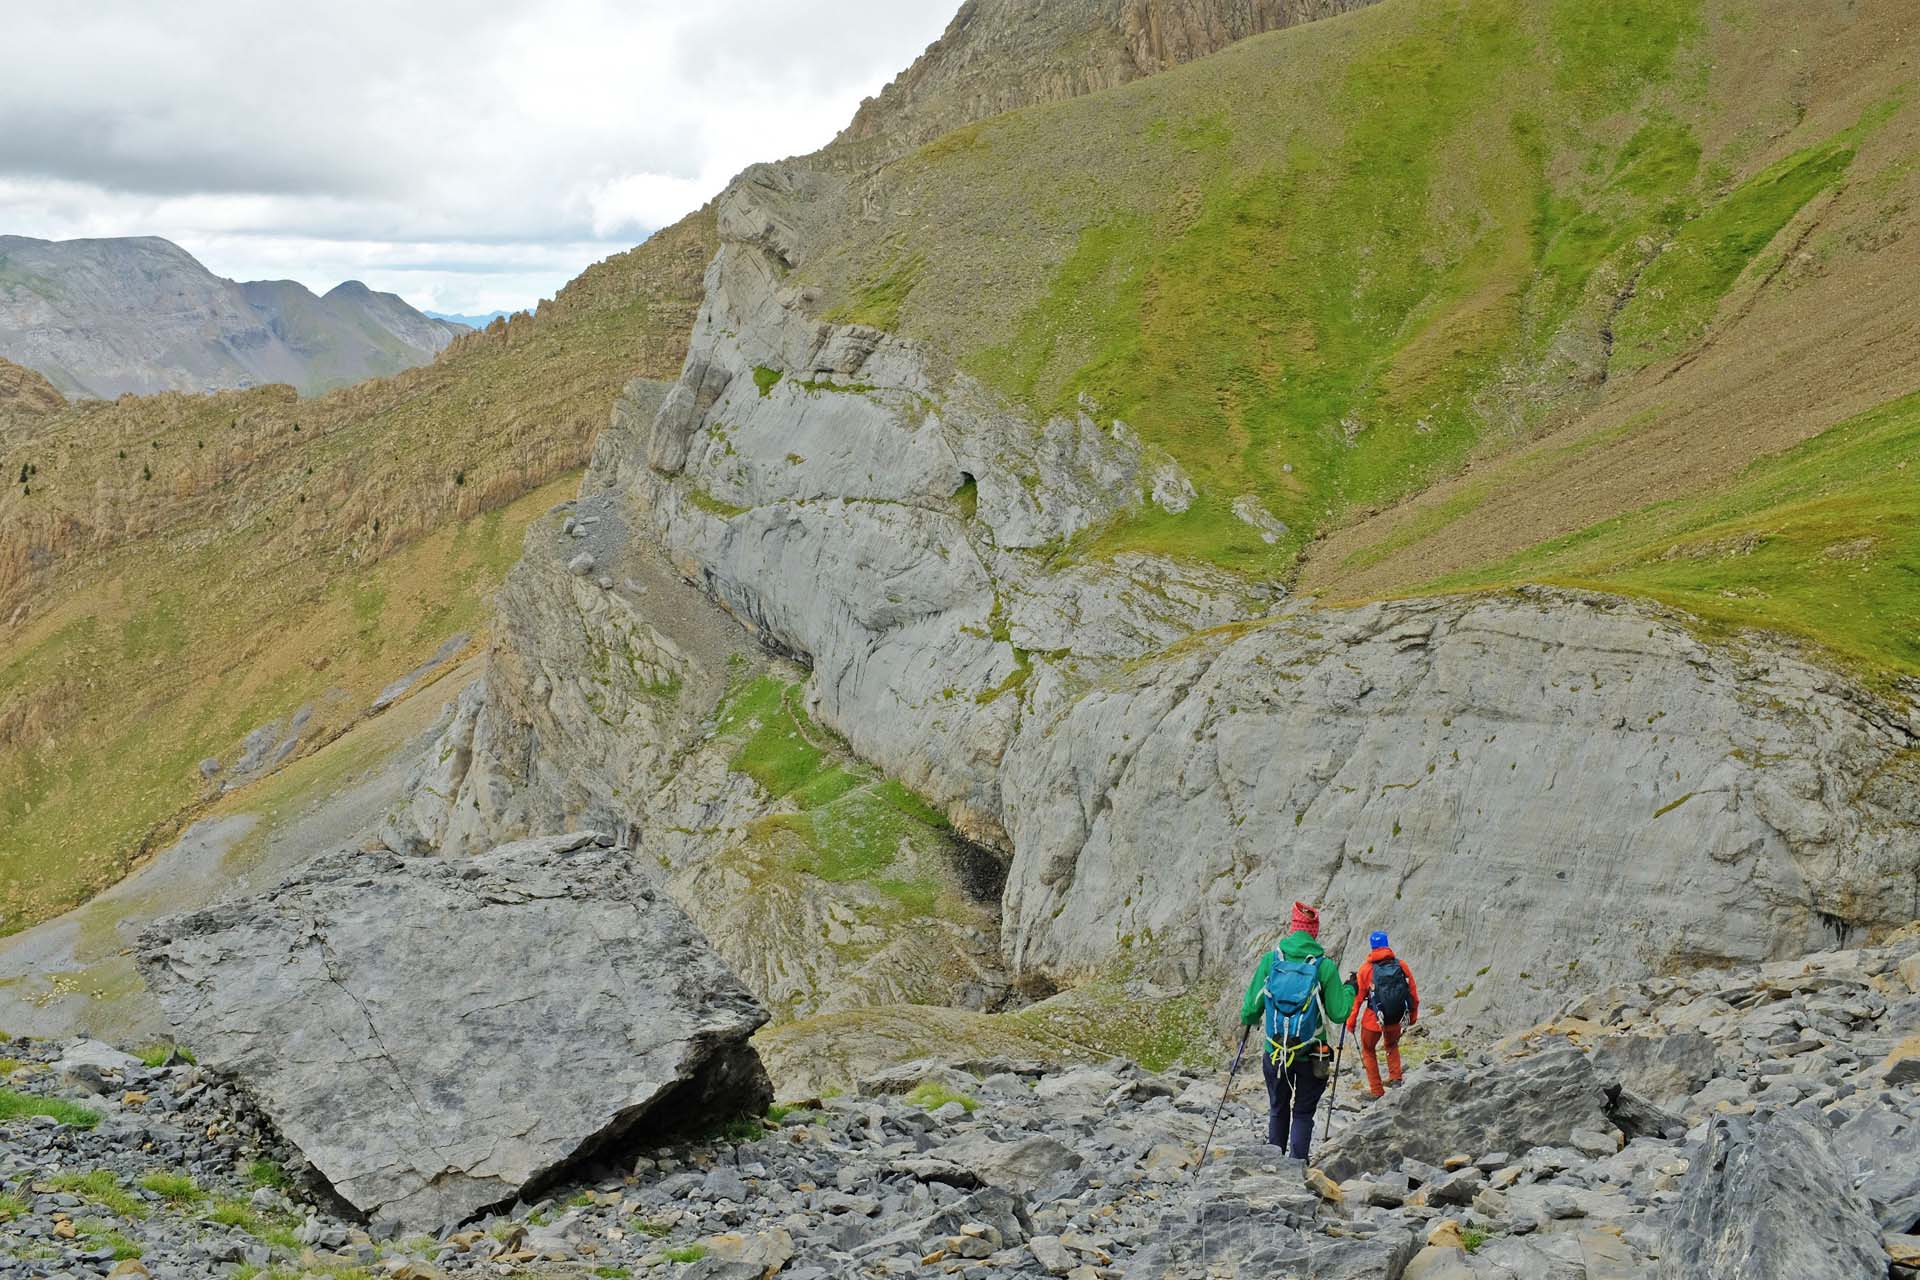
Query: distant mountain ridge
[(472, 322), (103, 318)]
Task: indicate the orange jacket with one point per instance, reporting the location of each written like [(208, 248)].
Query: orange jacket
[(1363, 1014)]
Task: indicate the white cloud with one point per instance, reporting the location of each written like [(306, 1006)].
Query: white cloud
[(467, 155)]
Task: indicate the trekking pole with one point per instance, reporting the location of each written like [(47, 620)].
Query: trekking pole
[(1231, 1073), (1334, 1087)]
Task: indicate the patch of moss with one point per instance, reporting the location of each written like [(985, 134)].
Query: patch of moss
[(930, 1095), (711, 505), (766, 379), (103, 1235)]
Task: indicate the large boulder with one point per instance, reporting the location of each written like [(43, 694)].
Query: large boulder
[(1668, 1070), (1442, 1110), (1769, 1200), (440, 1035), (1880, 1150)]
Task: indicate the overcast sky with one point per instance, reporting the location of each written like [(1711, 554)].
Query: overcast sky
[(466, 156)]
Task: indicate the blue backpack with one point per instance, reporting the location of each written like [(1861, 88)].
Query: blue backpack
[(1293, 1006)]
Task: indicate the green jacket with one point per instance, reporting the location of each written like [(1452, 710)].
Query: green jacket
[(1334, 993)]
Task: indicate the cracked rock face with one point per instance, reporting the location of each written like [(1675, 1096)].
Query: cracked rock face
[(436, 1035), (1534, 793)]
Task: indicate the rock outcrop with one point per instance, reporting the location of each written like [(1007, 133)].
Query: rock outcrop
[(1535, 793), (439, 1037), (1541, 1101), (1768, 1200), (999, 55), (102, 318)]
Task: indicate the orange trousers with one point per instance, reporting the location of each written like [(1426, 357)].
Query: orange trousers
[(1370, 1038)]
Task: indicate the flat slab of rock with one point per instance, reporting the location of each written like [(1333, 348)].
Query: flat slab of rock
[(437, 1034), (1513, 1106)]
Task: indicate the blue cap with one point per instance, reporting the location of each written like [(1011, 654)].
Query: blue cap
[(1376, 939)]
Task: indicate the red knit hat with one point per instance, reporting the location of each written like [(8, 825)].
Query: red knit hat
[(1306, 919)]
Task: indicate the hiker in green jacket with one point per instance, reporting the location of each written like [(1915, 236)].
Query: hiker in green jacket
[(1297, 992)]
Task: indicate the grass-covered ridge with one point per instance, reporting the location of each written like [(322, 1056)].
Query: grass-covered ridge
[(177, 570), (152, 680), (1821, 542)]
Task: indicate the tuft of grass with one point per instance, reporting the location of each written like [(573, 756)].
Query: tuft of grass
[(12, 1207), (268, 1173), (1472, 1238), (100, 1187), (103, 1235), (14, 1104), (177, 1189), (644, 1227), (931, 1095), (766, 379), (155, 1054), (740, 1128), (685, 1253), (274, 1229)]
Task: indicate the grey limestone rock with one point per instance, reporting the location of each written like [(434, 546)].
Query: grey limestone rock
[(1667, 1070), (1535, 793), (438, 1036), (1768, 1200), (1538, 1101)]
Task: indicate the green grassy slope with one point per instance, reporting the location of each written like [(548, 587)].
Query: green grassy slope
[(1821, 542), (1331, 267), (178, 570)]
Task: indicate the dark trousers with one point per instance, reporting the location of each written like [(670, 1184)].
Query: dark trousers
[(1295, 1094)]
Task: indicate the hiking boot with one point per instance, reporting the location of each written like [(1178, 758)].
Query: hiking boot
[(1394, 1083)]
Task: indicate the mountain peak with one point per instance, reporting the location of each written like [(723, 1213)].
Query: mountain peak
[(140, 314)]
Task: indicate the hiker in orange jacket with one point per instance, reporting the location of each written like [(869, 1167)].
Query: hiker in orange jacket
[(1386, 1002)]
